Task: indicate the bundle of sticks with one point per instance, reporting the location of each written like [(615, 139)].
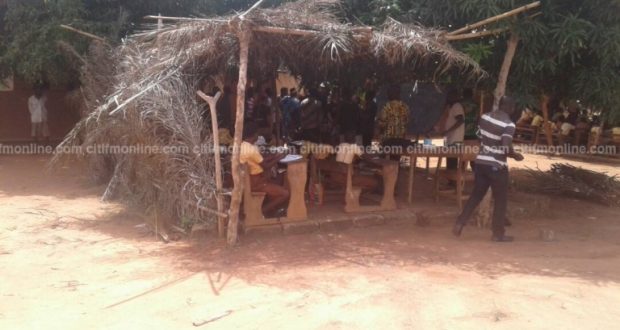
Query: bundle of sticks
[(575, 182)]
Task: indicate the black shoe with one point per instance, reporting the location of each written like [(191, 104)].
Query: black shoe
[(457, 229), (502, 238)]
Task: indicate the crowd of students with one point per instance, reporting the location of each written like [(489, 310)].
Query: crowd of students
[(337, 115)]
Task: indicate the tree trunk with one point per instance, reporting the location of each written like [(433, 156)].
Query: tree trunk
[(235, 203), (500, 90), (483, 216)]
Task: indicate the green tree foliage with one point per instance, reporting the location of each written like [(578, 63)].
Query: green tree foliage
[(570, 52), (29, 43)]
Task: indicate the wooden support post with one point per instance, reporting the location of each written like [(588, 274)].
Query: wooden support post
[(244, 36), (219, 186), (544, 107)]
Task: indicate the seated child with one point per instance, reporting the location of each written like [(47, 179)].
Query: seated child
[(259, 165)]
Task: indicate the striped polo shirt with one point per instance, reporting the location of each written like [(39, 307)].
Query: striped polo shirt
[(496, 132)]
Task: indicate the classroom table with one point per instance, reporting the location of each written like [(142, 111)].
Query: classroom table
[(430, 152)]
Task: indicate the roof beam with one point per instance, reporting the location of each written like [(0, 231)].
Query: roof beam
[(475, 34), (495, 18)]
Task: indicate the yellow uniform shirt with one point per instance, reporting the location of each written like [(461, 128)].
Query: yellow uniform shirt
[(249, 154), (537, 121)]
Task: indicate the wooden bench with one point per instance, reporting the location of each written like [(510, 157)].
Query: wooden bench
[(353, 191), (527, 135), (253, 201)]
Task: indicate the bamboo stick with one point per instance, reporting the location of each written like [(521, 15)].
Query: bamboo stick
[(496, 18), (86, 34), (475, 34), (256, 5), (362, 35), (186, 19), (235, 203), (212, 101)]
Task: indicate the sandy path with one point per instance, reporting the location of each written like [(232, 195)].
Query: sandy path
[(70, 262)]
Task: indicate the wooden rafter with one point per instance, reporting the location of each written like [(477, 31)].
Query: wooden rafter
[(496, 18)]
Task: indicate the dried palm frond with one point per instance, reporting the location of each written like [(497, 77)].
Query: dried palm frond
[(570, 181)]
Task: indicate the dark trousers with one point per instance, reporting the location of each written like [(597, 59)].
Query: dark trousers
[(497, 178)]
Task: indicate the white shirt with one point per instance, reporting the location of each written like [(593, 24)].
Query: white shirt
[(36, 106), (458, 134)]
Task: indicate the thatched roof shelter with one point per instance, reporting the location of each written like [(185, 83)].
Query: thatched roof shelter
[(149, 98)]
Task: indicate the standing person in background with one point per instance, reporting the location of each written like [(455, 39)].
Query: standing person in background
[(471, 119), (454, 126), (348, 117), (284, 118), (311, 113), (290, 109), (332, 118), (367, 120), (250, 103), (38, 115), (394, 120), (471, 115), (223, 110), (497, 130)]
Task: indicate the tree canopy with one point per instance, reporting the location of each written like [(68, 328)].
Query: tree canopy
[(571, 51)]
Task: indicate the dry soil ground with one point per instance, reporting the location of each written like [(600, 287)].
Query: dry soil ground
[(67, 261)]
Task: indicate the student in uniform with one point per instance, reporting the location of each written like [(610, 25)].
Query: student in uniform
[(259, 165)]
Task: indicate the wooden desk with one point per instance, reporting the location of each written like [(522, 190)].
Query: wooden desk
[(428, 152), (297, 176)]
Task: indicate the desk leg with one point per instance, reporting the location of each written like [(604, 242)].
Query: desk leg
[(390, 175), (412, 163), (297, 176)]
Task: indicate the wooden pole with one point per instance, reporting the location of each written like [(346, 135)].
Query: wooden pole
[(544, 107), (244, 36), (475, 34), (212, 101), (513, 12), (500, 90), (256, 5)]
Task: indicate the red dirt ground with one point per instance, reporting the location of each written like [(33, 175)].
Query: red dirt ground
[(68, 261)]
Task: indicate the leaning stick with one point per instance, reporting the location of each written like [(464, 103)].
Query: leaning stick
[(495, 18), (212, 101)]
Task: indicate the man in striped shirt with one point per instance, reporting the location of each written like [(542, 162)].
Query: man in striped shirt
[(496, 132)]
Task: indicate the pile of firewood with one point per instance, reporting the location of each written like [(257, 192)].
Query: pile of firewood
[(575, 182)]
